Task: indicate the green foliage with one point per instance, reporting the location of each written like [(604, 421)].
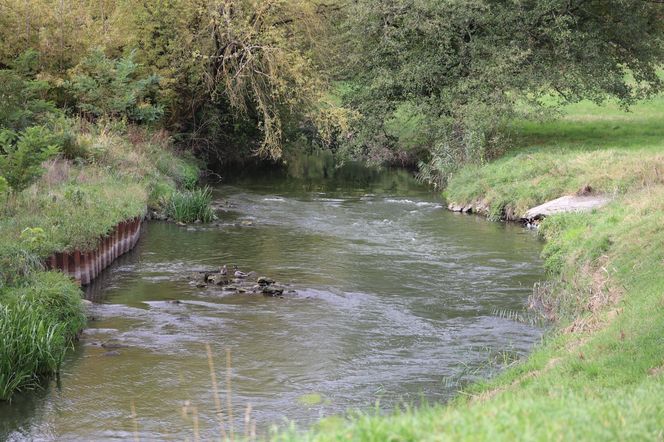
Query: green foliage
[(31, 236), (160, 195), (464, 67), (188, 176), (21, 155), (190, 206), (63, 132), (103, 87), (38, 323), (22, 97), (240, 77), (17, 264)]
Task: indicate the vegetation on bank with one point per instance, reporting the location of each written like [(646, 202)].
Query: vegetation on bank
[(118, 173), (37, 323), (612, 151), (191, 206), (600, 375), (65, 182)]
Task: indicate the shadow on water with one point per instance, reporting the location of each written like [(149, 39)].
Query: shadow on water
[(94, 291), (319, 173)]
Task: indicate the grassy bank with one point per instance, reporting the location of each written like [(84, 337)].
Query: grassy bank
[(115, 174), (612, 151), (600, 376)]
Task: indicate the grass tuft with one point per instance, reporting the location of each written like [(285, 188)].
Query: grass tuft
[(191, 205), (38, 323)]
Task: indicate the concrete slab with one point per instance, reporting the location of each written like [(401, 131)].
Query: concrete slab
[(567, 204)]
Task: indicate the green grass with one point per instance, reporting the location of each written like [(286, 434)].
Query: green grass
[(38, 323), (612, 151), (74, 214), (191, 205), (600, 376)]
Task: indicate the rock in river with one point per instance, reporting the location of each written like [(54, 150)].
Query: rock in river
[(262, 285), (265, 280)]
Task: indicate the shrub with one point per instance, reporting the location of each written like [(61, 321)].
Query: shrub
[(103, 87), (192, 205), (17, 264), (160, 194), (21, 102), (21, 155), (65, 135), (188, 175)]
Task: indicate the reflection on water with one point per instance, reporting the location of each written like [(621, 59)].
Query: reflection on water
[(395, 297)]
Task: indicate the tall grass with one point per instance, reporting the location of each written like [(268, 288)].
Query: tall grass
[(38, 323), (191, 205), (17, 264)]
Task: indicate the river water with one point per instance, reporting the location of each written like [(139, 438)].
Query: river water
[(398, 301)]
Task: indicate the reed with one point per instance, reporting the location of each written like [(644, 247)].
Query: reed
[(191, 205)]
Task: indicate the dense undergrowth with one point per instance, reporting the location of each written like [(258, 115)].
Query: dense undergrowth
[(600, 376), (116, 174)]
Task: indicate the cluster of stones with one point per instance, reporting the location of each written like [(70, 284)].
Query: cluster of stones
[(247, 284)]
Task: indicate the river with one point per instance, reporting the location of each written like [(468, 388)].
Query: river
[(397, 301)]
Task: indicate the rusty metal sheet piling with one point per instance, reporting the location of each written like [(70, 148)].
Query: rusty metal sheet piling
[(84, 266)]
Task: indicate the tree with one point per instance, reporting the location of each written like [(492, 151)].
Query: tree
[(22, 97), (467, 66), (242, 67)]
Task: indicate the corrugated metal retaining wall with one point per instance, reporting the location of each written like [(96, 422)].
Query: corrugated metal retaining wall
[(85, 266)]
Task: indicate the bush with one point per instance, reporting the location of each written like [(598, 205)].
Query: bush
[(65, 135), (160, 195), (191, 206), (37, 325), (21, 155), (103, 87), (21, 102)]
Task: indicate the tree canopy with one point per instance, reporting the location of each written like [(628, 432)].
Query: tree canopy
[(467, 66), (242, 78)]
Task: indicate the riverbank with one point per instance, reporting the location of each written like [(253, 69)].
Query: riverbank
[(117, 174), (599, 376)]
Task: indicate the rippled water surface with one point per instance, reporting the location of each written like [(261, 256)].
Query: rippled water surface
[(397, 300)]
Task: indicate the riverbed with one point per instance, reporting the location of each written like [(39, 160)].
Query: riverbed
[(397, 301)]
